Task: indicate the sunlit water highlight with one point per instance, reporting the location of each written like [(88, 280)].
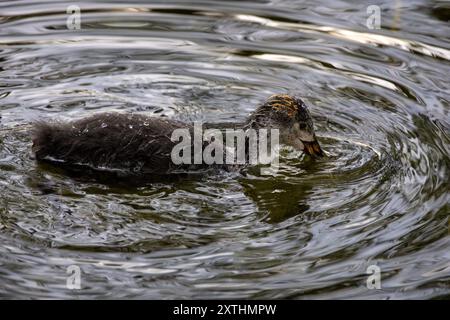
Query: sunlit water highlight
[(380, 100)]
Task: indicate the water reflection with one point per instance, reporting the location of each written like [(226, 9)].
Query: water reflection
[(380, 102)]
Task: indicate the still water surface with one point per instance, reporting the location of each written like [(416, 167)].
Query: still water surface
[(381, 104)]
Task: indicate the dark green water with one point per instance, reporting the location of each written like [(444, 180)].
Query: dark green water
[(381, 104)]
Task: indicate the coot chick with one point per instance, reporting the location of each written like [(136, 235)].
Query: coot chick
[(140, 144)]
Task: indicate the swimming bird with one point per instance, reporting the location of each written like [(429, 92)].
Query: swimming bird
[(140, 144)]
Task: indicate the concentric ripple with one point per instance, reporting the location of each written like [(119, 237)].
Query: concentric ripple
[(381, 107)]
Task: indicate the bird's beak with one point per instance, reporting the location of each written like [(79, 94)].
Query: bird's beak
[(312, 148)]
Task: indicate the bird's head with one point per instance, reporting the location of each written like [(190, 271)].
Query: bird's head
[(290, 115)]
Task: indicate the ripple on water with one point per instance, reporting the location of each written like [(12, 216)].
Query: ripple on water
[(380, 103)]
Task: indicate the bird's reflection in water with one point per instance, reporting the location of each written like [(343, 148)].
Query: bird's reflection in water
[(278, 198)]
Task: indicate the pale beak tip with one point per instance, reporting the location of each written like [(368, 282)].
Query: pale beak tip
[(312, 148)]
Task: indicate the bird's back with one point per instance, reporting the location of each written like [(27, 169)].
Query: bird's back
[(131, 142)]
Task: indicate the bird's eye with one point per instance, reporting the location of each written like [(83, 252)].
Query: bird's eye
[(302, 125)]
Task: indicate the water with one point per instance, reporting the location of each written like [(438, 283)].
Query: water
[(380, 101)]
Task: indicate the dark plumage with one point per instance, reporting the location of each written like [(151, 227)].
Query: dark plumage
[(129, 142), (140, 144)]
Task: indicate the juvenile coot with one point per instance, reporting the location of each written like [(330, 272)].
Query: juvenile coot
[(141, 144)]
